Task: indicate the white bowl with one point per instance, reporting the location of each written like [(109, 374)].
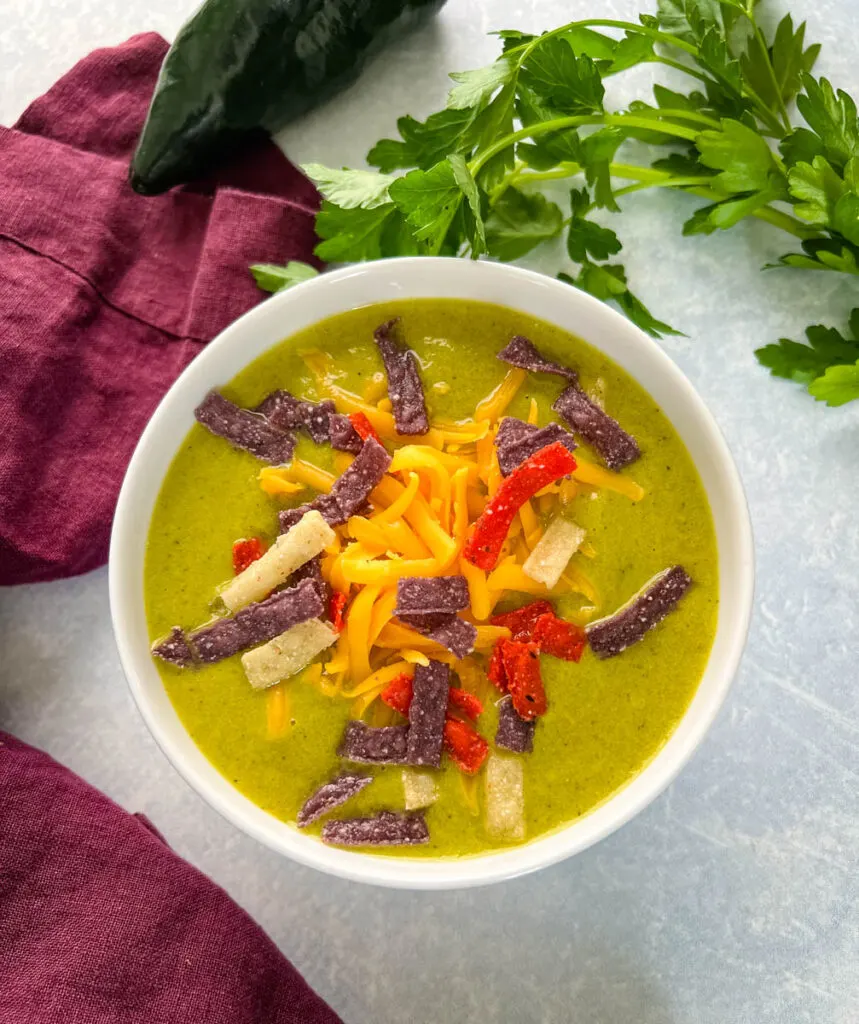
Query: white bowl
[(384, 281)]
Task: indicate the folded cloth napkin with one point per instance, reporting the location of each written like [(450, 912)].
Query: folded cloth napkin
[(100, 923), (105, 296)]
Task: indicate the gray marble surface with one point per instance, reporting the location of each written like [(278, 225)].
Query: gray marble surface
[(733, 898)]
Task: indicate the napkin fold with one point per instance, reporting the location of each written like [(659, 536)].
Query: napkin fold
[(105, 296), (101, 923)]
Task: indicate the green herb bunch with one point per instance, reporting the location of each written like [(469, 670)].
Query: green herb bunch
[(537, 114)]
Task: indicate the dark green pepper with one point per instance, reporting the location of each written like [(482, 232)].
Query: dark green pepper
[(239, 66)]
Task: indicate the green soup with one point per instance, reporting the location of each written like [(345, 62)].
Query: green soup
[(606, 719)]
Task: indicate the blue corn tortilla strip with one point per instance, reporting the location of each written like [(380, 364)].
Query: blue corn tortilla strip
[(286, 412), (517, 441), (350, 492), (175, 649), (430, 690), (523, 353), (384, 829), (332, 794), (311, 570), (365, 744), (245, 429), (343, 436), (255, 624), (513, 732), (424, 595), (452, 632), (352, 489), (602, 433), (610, 636), (405, 389)]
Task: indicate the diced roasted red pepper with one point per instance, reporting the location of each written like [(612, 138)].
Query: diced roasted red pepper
[(521, 621), (495, 671), (467, 703), (336, 607), (538, 471), (363, 427), (559, 638), (522, 665), (246, 552), (398, 694), (467, 748)]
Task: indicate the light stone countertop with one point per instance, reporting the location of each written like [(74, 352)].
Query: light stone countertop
[(733, 898)]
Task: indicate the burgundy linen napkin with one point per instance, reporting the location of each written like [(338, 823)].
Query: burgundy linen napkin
[(100, 923), (105, 296)]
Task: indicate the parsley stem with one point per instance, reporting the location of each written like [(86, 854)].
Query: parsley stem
[(782, 109), (685, 115), (577, 121), (666, 183), (651, 177), (627, 26)]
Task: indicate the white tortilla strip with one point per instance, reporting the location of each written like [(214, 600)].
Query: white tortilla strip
[(310, 535), (504, 790), (419, 788), (287, 654), (553, 551)]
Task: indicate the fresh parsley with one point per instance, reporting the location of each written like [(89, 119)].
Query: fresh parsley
[(828, 364), (755, 135), (272, 278)]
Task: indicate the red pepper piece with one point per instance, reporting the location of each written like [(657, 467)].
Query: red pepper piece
[(522, 665), (336, 608), (467, 703), (559, 638), (467, 748), (363, 427), (495, 671), (246, 552), (538, 471), (521, 621), (398, 694)]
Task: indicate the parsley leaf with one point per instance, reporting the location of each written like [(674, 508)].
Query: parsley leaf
[(607, 281), (831, 116), (273, 278), (519, 222), (426, 143), (350, 189), (741, 154), (633, 49), (595, 153), (476, 87), (511, 38), (839, 385), (350, 236), (724, 215), (586, 238), (428, 200), (801, 145), (828, 364), (468, 186), (497, 119), (571, 84), (822, 254), (593, 44), (817, 188)]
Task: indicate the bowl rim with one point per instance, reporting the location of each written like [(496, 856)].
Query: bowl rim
[(385, 281)]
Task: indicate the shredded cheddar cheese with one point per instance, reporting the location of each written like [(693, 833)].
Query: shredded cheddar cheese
[(597, 476), (492, 407), (277, 711), (421, 515)]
